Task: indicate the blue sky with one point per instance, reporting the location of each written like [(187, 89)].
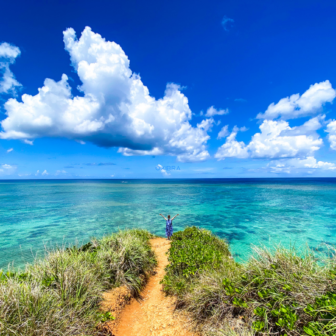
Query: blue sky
[(205, 89)]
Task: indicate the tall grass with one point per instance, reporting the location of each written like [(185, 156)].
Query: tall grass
[(60, 294), (279, 292)]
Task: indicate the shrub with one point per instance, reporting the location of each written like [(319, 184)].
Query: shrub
[(60, 294), (192, 250), (275, 293)]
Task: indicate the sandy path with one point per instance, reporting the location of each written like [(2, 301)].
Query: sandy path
[(154, 315)]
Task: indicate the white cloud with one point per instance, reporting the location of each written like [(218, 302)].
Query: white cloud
[(45, 172), (115, 110), (308, 128), (296, 106), (295, 165), (9, 150), (276, 140), (224, 132), (271, 144), (9, 51), (7, 169), (8, 54), (206, 124), (232, 148), (331, 129), (162, 170), (37, 173), (212, 111), (28, 142)]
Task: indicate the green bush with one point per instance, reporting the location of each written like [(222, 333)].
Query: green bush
[(192, 250), (282, 292), (60, 294)]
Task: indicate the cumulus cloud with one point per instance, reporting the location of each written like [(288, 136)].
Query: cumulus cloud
[(8, 54), (232, 148), (308, 128), (290, 149), (115, 109), (212, 111), (206, 124), (45, 173), (309, 103), (276, 140), (331, 129), (224, 132)]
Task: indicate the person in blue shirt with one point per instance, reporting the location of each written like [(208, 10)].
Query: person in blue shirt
[(169, 225)]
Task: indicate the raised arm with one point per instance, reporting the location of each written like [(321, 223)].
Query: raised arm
[(163, 216), (175, 216)]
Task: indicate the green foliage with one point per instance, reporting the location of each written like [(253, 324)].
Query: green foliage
[(192, 250), (104, 317), (323, 311), (279, 292), (286, 317), (60, 294)]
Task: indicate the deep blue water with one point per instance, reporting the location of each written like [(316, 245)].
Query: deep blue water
[(35, 215)]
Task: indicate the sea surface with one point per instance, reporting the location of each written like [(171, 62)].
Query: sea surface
[(40, 215)]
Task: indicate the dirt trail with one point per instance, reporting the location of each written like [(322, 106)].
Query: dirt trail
[(154, 315)]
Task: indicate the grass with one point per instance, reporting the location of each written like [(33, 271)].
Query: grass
[(60, 295), (282, 292)]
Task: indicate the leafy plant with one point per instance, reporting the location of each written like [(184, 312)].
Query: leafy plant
[(104, 317), (323, 311), (192, 251), (278, 292)]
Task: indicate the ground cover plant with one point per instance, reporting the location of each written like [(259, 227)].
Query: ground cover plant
[(60, 294), (191, 251), (279, 292)]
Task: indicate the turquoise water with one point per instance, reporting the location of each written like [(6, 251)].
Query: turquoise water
[(38, 215)]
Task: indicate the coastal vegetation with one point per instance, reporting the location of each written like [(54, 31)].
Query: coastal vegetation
[(61, 294), (279, 292)]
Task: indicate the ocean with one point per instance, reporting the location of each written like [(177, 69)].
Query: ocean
[(39, 215)]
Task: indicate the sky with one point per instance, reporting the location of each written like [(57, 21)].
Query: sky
[(158, 89)]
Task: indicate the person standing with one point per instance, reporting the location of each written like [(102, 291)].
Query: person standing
[(169, 225)]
